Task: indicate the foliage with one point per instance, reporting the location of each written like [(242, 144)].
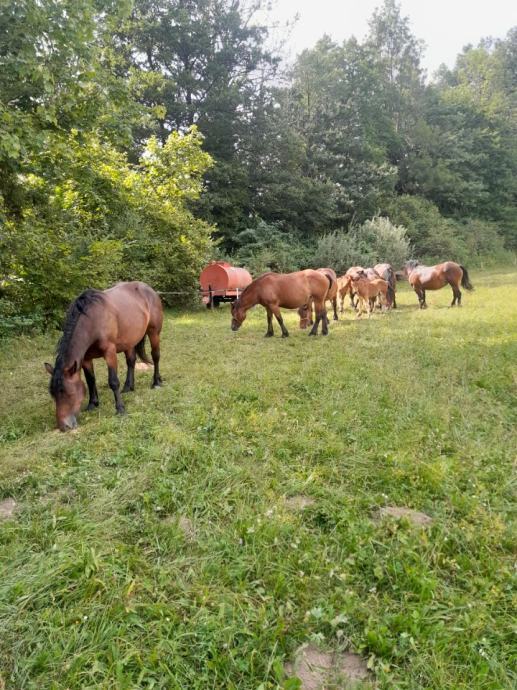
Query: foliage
[(264, 247), (339, 250), (160, 550), (384, 241), (96, 218)]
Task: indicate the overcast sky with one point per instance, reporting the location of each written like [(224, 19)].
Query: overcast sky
[(444, 25)]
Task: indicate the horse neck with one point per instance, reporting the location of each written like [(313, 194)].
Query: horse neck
[(80, 341), (248, 298)]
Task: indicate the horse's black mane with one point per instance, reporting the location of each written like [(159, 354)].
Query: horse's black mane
[(76, 309)]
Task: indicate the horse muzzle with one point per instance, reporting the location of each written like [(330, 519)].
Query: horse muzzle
[(68, 423), (235, 325)]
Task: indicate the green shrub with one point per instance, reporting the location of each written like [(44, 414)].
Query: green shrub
[(340, 250), (381, 241)]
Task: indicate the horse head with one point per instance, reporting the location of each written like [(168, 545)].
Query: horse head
[(67, 389), (238, 315), (305, 316)]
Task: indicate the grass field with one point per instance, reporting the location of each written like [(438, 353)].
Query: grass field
[(161, 550)]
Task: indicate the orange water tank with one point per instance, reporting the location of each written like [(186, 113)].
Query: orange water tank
[(222, 282)]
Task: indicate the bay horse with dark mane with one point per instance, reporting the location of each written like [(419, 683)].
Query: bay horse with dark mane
[(100, 324), (288, 291), (305, 314), (422, 278)]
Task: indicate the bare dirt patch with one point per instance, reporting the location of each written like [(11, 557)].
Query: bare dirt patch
[(415, 517), (299, 502), (7, 508), (187, 527), (142, 366), (319, 670)]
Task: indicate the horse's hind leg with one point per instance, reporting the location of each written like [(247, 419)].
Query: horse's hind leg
[(421, 297), (129, 385), (334, 304), (456, 295), (110, 356), (89, 375), (154, 339)]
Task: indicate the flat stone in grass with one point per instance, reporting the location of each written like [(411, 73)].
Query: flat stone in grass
[(299, 502), (7, 508), (414, 516), (319, 670)]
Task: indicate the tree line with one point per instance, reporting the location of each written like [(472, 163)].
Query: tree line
[(138, 138)]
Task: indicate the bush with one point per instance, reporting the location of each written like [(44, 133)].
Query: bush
[(435, 238), (339, 251), (382, 241)]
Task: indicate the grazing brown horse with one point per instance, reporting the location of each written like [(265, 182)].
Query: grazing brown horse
[(388, 274), (287, 290), (422, 278), (305, 314), (100, 324), (368, 290)]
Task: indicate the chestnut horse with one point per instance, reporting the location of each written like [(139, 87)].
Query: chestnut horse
[(287, 290), (305, 314), (345, 286), (100, 324), (388, 274), (422, 278), (368, 290)]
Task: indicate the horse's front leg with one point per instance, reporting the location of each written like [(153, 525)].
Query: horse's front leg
[(129, 385), (278, 316), (334, 304), (89, 375), (270, 332), (110, 355)]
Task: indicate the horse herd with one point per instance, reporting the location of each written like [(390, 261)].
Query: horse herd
[(104, 323)]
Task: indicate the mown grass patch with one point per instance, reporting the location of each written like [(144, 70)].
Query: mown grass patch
[(102, 585)]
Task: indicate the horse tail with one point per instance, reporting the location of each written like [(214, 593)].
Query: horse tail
[(331, 280), (465, 281), (390, 294), (140, 351)]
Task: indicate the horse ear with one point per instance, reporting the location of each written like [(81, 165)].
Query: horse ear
[(49, 368)]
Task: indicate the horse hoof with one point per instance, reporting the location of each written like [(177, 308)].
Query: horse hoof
[(268, 335), (91, 406), (121, 411)]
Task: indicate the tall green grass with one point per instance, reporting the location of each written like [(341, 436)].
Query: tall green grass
[(102, 587)]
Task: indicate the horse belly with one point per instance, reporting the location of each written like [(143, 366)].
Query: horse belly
[(131, 328)]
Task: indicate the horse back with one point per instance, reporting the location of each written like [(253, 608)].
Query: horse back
[(131, 308), (332, 277)]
